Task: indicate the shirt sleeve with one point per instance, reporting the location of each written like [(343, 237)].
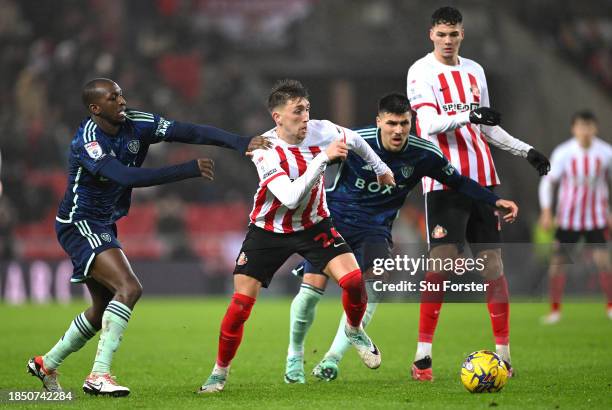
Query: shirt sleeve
[(91, 155), (423, 101), (268, 165), (420, 92), (548, 181), (152, 128), (443, 171), (357, 144), (289, 193)]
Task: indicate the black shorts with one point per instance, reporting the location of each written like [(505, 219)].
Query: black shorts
[(453, 218), (565, 241), (263, 252)]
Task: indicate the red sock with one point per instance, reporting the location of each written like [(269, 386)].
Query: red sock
[(499, 309), (605, 279), (232, 327), (556, 286), (354, 297), (431, 303)]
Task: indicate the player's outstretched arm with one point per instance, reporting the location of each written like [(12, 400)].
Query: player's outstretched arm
[(498, 137), (207, 135), (474, 190), (356, 143), (114, 170)]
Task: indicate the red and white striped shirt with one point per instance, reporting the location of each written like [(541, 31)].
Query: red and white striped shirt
[(286, 160), (582, 175), (453, 91)]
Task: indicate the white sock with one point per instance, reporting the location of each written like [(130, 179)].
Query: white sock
[(504, 352), (423, 349)]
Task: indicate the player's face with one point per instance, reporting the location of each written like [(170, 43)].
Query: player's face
[(111, 104), (447, 40), (292, 119), (394, 129), (584, 131)]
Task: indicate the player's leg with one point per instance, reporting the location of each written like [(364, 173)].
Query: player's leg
[(345, 270), (261, 255), (246, 290), (366, 251), (447, 213), (497, 300), (302, 314), (484, 235), (112, 270), (601, 256), (82, 244), (563, 246), (80, 331)]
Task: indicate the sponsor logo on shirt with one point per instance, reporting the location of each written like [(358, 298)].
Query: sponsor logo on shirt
[(162, 127), (94, 150), (106, 237), (134, 146), (269, 173), (459, 107), (448, 169)]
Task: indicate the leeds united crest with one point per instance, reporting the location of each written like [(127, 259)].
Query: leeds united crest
[(134, 146)]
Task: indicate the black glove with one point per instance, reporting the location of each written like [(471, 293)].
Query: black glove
[(538, 161), (485, 116)]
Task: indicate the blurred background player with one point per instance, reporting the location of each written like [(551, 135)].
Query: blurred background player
[(451, 98), (581, 166), (290, 215), (364, 212), (104, 165)]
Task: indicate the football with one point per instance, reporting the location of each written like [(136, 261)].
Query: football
[(484, 371)]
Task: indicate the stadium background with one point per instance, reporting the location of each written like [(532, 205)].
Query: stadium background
[(213, 61)]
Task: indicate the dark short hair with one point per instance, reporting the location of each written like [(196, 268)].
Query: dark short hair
[(91, 90), (446, 15), (394, 103), (584, 115), (285, 90)]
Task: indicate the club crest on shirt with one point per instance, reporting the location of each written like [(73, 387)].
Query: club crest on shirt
[(106, 237), (94, 150), (242, 259), (407, 170), (134, 146), (475, 90), (438, 232)]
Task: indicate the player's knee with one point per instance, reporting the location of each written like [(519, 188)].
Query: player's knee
[(439, 254), (242, 305), (493, 266), (353, 284), (129, 293)]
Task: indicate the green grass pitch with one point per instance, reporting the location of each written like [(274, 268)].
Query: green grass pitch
[(170, 346)]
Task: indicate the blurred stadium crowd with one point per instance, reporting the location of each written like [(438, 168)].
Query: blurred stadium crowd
[(205, 61)]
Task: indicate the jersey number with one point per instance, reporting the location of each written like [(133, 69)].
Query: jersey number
[(323, 237)]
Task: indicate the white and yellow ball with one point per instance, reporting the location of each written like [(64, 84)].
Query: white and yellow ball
[(484, 371)]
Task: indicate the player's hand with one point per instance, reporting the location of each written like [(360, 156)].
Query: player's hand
[(546, 219), (207, 168), (386, 179), (337, 150), (538, 161), (258, 142), (508, 208), (485, 116)]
